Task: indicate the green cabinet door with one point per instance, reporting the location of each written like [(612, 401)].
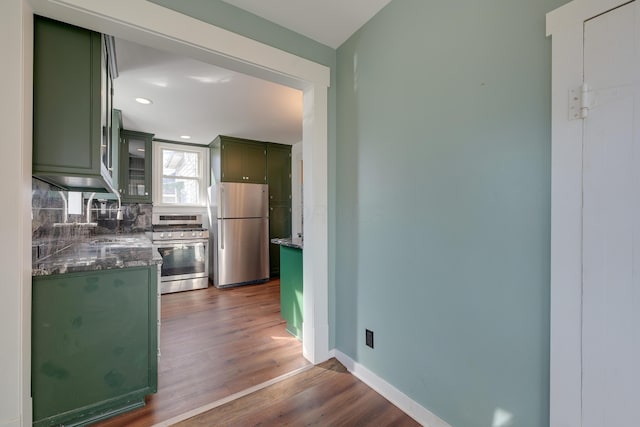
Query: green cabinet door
[(70, 88), (279, 227), (232, 161), (291, 289), (135, 166), (279, 173), (255, 163), (243, 160), (94, 344)]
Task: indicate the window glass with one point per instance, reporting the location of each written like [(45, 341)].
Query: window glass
[(180, 163), (183, 179), (180, 191)]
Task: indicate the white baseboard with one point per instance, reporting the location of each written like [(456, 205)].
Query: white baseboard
[(389, 392)]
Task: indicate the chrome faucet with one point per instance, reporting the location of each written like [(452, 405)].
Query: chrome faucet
[(89, 207)]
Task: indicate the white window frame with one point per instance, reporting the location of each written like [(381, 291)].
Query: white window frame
[(203, 167)]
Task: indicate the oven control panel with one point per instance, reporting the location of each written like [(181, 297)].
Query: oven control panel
[(181, 235)]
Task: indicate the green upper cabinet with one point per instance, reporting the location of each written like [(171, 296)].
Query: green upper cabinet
[(242, 160), (72, 103), (279, 173), (135, 166)]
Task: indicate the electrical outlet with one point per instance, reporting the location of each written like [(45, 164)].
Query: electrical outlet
[(369, 338)]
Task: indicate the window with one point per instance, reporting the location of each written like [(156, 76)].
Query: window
[(180, 174)]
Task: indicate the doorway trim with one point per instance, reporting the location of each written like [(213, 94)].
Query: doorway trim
[(157, 26), (566, 26)]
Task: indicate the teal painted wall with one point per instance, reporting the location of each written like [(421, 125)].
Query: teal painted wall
[(443, 205), (439, 198), (231, 18)]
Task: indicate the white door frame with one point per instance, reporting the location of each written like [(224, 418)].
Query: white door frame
[(566, 26), (156, 26)]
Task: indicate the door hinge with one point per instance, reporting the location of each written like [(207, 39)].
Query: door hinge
[(579, 102)]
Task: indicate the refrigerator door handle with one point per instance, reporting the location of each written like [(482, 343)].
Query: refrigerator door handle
[(221, 236)]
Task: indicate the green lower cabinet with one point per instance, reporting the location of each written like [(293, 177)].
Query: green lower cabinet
[(291, 289), (94, 344)]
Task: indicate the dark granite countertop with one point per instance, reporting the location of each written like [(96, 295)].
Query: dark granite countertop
[(294, 242), (102, 252)]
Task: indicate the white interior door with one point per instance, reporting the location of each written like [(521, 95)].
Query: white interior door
[(611, 221)]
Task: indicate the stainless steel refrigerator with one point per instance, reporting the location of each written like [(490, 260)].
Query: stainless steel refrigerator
[(240, 234)]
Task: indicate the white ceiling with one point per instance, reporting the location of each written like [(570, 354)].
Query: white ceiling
[(201, 100), (330, 22)]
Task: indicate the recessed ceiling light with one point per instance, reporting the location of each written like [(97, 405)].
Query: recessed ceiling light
[(140, 149), (144, 101), (185, 137)]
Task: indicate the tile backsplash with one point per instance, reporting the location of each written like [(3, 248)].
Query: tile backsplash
[(52, 228)]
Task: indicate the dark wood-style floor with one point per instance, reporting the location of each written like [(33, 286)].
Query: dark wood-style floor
[(215, 343), (325, 395)]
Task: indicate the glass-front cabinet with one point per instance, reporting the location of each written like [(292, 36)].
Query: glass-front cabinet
[(106, 100), (135, 166)]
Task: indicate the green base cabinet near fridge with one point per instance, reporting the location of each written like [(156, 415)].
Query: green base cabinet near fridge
[(94, 344), (72, 103), (291, 289)]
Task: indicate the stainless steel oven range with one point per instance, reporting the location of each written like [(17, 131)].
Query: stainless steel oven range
[(184, 246)]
